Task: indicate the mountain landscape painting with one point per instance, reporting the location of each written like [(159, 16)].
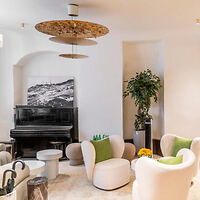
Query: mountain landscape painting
[(50, 91)]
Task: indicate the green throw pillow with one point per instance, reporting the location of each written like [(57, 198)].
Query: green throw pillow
[(103, 149), (179, 144), (171, 161)]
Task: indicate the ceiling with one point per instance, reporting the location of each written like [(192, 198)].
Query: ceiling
[(137, 15)]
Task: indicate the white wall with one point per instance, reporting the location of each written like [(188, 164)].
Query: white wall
[(182, 85), (97, 79), (139, 56), (100, 89), (8, 55)]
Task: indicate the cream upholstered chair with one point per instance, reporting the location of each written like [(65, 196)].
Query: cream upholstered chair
[(5, 157), (167, 144), (21, 180), (157, 181), (109, 174)]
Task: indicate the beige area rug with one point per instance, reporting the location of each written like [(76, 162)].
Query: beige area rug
[(72, 184)]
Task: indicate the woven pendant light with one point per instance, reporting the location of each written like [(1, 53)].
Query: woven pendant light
[(72, 32)]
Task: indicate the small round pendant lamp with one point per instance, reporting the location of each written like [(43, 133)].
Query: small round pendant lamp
[(73, 41), (73, 56)]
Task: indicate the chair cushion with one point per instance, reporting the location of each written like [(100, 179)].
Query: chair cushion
[(111, 164), (103, 150), (111, 174), (181, 143), (171, 161)]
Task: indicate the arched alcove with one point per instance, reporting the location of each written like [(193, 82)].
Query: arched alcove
[(40, 64), (137, 57)]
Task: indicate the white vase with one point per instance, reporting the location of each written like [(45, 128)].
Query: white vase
[(139, 139)]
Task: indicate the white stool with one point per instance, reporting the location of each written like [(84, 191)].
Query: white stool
[(51, 158)]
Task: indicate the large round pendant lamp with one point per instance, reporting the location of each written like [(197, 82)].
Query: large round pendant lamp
[(73, 32), (72, 29)]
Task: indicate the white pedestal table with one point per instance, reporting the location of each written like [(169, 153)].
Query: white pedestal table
[(51, 159)]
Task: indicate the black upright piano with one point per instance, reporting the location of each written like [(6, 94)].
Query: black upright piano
[(36, 127)]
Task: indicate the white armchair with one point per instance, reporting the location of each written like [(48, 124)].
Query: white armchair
[(167, 144), (157, 181), (21, 180), (109, 174)]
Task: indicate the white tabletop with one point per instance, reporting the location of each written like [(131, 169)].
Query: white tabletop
[(36, 166), (49, 154)]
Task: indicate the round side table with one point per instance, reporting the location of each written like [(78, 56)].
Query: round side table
[(51, 158)]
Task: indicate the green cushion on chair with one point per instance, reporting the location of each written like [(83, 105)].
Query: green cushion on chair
[(181, 143), (171, 161), (103, 150)]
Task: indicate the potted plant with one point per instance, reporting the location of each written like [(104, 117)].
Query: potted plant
[(143, 88)]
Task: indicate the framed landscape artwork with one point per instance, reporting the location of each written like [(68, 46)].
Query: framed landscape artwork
[(50, 91)]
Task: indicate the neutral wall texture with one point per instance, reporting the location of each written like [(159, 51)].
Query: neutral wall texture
[(98, 81), (100, 89), (182, 86)]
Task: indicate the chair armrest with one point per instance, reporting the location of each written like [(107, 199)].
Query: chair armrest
[(2, 147), (117, 145), (195, 147), (89, 156), (167, 144), (129, 151), (5, 157)]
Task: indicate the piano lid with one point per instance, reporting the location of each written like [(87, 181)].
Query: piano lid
[(43, 116)]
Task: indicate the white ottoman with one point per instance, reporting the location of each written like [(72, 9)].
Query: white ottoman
[(51, 158)]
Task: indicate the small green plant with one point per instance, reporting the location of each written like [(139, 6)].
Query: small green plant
[(99, 137), (142, 88)]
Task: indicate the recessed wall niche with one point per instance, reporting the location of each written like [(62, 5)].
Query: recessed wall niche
[(42, 64), (138, 56)]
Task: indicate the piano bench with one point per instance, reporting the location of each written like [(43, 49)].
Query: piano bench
[(60, 146)]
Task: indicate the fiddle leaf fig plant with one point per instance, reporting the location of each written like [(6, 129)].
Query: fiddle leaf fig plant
[(142, 88)]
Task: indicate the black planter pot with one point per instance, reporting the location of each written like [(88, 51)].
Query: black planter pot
[(148, 140)]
